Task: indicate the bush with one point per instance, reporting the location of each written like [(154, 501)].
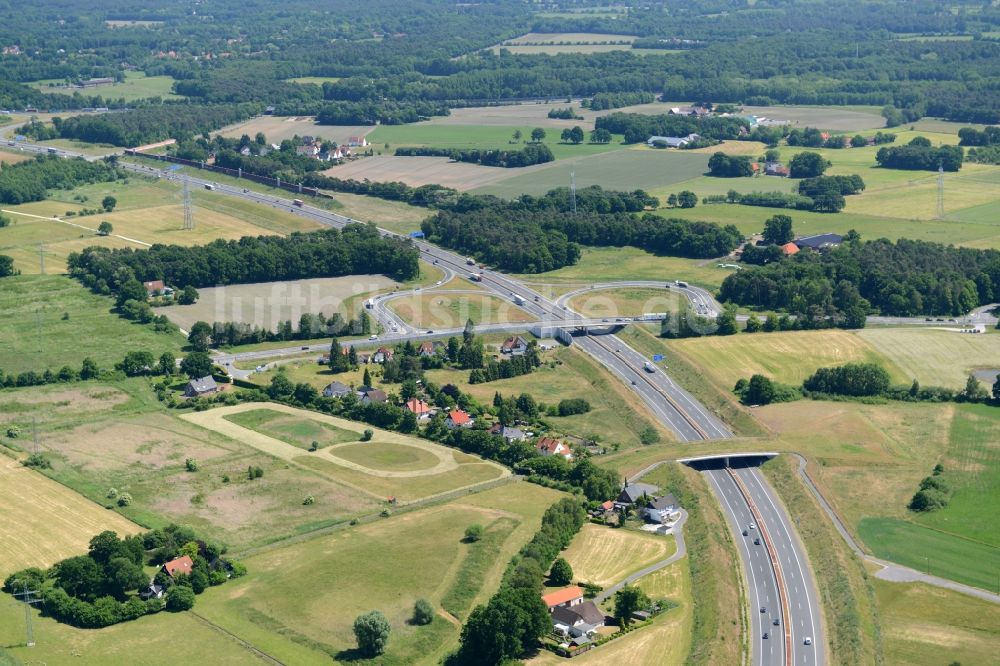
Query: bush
[(191, 465), (309, 499), (180, 598), (474, 533), (367, 435), (561, 572), (37, 461), (649, 435), (124, 499), (572, 406), (423, 612)]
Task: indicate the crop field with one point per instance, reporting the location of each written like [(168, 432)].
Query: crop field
[(605, 555), (315, 80), (616, 417), (633, 168), (417, 171), (44, 521), (298, 601), (844, 119), (496, 137), (268, 303), (935, 357), (925, 626), (45, 318), (386, 471), (435, 310), (279, 128), (155, 637), (136, 86), (626, 302), (565, 42), (527, 114), (787, 357)]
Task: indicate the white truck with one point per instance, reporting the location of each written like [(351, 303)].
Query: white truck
[(470, 262), (476, 277), (518, 299), (681, 283)]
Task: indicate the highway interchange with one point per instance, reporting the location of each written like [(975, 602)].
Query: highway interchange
[(670, 403)]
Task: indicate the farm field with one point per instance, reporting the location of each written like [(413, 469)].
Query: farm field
[(279, 128), (497, 137), (605, 555), (44, 521), (417, 171), (844, 119), (298, 601), (568, 42), (615, 416), (36, 335), (926, 626), (136, 86), (627, 302), (153, 636), (935, 357), (633, 168), (387, 471), (315, 80), (436, 310), (788, 357), (266, 304)]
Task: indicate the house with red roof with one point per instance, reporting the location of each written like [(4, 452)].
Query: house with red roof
[(458, 418), (181, 566), (564, 598), (419, 407), (382, 354), (789, 249), (550, 446)]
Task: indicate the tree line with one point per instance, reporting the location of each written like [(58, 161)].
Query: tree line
[(31, 180), (532, 153), (919, 155), (358, 249), (638, 127)]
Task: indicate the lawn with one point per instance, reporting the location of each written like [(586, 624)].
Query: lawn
[(135, 87), (52, 321), (786, 357), (605, 555), (44, 521), (935, 357), (929, 626), (298, 431), (435, 310), (626, 302), (298, 601), (933, 552)]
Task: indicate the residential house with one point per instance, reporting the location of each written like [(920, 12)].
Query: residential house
[(820, 241), (790, 248), (307, 150), (579, 621), (632, 493), (179, 567), (245, 151), (336, 390), (564, 598), (661, 509), (426, 349), (201, 386), (755, 168), (154, 591), (681, 110), (776, 169), (382, 354), (550, 446), (154, 287), (458, 418), (364, 358), (508, 433), (370, 395), (419, 407), (357, 142), (514, 345)]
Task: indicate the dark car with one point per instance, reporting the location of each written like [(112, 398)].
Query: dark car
[(776, 622), (745, 533), (756, 541), (763, 609), (765, 635)]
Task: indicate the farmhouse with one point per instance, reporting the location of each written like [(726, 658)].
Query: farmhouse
[(550, 446), (820, 241), (579, 621), (336, 390), (632, 493), (180, 566), (564, 598), (661, 509), (201, 386), (458, 418), (514, 345)]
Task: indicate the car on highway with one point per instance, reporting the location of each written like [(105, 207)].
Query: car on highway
[(745, 533), (765, 635), (776, 622), (305, 347), (756, 541), (373, 337), (753, 526), (430, 332), (808, 641), (763, 609)]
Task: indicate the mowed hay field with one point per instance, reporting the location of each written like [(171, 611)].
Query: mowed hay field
[(927, 626), (786, 357), (279, 128), (44, 521), (417, 171), (432, 309), (605, 555), (266, 304), (936, 357), (298, 601), (52, 321)]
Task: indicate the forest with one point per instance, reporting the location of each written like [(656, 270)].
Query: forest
[(902, 278), (358, 249), (30, 181)]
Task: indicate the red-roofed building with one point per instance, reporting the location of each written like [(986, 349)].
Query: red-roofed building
[(550, 446), (418, 407), (154, 287), (567, 597), (181, 566), (458, 418), (789, 249), (382, 354)]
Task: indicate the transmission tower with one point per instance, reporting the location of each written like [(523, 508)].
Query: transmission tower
[(940, 193), (27, 596), (188, 217), (572, 191)]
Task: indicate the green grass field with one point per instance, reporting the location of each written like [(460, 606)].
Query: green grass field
[(929, 626), (935, 357), (627, 302), (442, 311), (54, 321), (136, 86), (298, 602), (297, 431), (497, 137)]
